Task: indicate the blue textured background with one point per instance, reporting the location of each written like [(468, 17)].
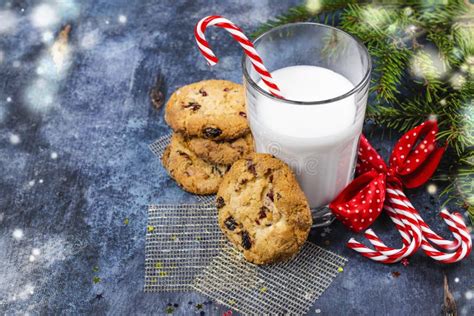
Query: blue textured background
[(74, 164)]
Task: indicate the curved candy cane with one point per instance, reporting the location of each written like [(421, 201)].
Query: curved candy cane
[(240, 37), (462, 233)]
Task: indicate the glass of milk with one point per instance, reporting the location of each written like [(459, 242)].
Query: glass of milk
[(323, 74)]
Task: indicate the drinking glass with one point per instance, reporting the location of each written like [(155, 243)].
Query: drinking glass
[(323, 161)]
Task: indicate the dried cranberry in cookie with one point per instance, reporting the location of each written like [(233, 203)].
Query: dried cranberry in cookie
[(262, 209)]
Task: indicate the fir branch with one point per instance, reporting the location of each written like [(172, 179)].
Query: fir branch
[(462, 183), (402, 118), (303, 13), (389, 66), (446, 45), (464, 38), (428, 70), (440, 14), (369, 23)]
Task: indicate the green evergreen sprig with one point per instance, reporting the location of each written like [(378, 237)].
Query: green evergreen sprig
[(423, 65)]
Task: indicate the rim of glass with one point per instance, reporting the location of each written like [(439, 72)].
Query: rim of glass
[(356, 88)]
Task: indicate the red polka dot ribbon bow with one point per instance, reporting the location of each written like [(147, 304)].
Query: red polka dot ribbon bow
[(412, 162)]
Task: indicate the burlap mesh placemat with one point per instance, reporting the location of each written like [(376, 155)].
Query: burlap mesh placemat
[(285, 288), (180, 241), (159, 145), (185, 250)]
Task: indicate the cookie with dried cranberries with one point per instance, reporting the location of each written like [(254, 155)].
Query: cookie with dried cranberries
[(262, 209), (191, 172), (210, 109)]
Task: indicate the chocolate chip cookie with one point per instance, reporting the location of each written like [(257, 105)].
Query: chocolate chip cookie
[(222, 152), (262, 209), (191, 172), (211, 109)]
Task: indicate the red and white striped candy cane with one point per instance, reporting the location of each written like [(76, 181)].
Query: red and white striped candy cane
[(463, 251), (412, 238), (240, 37), (461, 233), (367, 252), (402, 229), (409, 243), (454, 222), (428, 233)]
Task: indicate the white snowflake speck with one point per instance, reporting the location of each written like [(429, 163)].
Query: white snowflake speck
[(31, 183), (408, 11), (314, 6), (54, 155), (411, 29), (36, 252), (427, 64), (457, 80), (40, 181), (122, 19), (9, 99), (41, 94), (26, 292), (18, 234), (107, 21), (375, 17), (456, 280), (317, 311), (40, 70), (47, 37), (90, 39), (43, 16), (14, 139), (432, 189), (9, 21), (469, 295)]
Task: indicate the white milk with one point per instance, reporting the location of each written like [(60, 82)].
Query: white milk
[(318, 141)]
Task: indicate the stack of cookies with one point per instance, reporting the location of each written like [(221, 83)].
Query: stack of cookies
[(211, 132), (262, 210)]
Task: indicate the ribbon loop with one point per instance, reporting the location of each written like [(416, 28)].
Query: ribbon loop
[(361, 202), (416, 155), (368, 158)]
